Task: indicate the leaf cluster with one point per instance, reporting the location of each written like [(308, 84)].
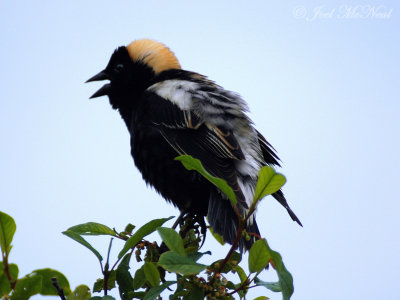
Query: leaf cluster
[(171, 266), (38, 282)]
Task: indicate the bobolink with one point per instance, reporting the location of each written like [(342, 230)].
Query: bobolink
[(169, 112)]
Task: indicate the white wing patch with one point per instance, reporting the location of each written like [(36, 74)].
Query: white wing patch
[(178, 92)]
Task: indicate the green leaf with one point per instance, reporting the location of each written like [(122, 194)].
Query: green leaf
[(107, 297), (81, 292), (7, 230), (195, 256), (284, 276), (242, 293), (143, 231), (129, 228), (241, 273), (236, 257), (5, 287), (272, 286), (76, 237), (124, 278), (259, 256), (112, 277), (177, 263), (191, 163), (196, 293), (138, 295), (232, 262), (154, 292), (243, 277), (230, 285), (218, 237), (99, 284), (268, 182), (139, 279), (13, 271), (285, 281), (27, 287), (151, 273), (172, 239), (47, 285), (261, 298), (92, 228)]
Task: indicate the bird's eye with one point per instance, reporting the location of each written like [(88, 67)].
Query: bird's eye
[(118, 68)]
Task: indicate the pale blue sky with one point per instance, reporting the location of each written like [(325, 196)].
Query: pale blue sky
[(322, 86)]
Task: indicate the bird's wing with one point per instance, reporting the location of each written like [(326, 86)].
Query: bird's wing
[(215, 146)]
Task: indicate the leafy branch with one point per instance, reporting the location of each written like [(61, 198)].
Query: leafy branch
[(171, 265), (40, 281)]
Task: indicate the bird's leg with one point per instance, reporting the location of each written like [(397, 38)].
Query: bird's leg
[(191, 224), (187, 221), (179, 219), (203, 229)]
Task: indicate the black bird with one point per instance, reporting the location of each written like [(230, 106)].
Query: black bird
[(169, 112)]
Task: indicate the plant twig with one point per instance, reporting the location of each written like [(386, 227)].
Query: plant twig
[(106, 273), (105, 280), (7, 270), (255, 234), (108, 254), (58, 288), (113, 267), (251, 210), (242, 285), (233, 247)]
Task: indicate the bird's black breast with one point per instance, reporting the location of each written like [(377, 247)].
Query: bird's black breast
[(154, 158)]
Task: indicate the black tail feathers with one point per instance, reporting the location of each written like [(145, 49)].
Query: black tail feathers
[(282, 200), (224, 221)]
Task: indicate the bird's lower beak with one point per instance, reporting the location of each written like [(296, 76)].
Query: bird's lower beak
[(105, 89)]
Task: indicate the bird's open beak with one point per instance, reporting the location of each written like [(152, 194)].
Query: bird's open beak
[(105, 89)]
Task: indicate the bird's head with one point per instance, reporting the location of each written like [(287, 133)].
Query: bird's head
[(132, 69)]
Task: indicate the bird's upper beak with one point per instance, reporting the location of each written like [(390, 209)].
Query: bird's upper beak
[(105, 89)]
